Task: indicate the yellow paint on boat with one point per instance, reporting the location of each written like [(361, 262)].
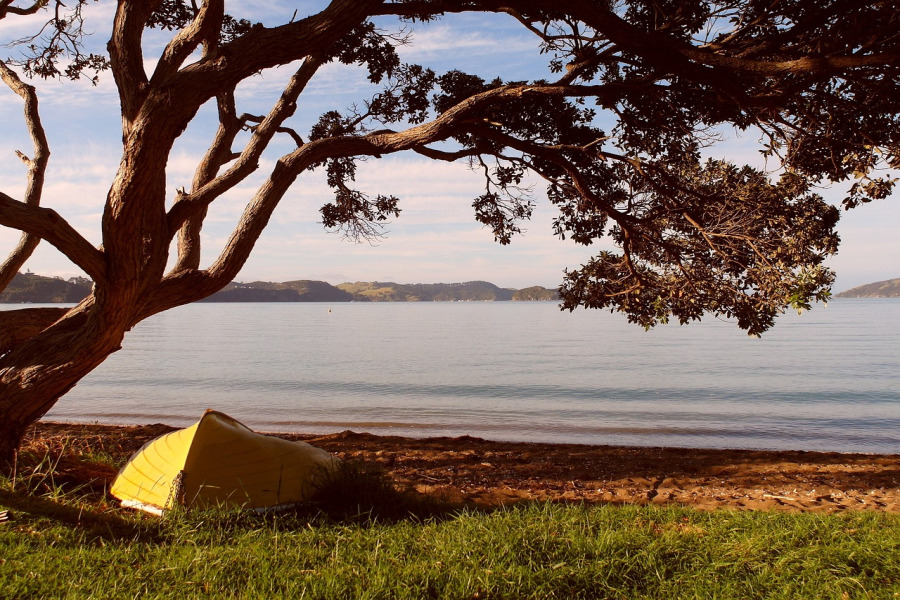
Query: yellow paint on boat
[(218, 461)]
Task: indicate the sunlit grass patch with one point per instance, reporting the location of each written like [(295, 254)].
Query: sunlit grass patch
[(365, 538), (530, 551)]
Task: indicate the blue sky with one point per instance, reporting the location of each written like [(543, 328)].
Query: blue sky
[(435, 239)]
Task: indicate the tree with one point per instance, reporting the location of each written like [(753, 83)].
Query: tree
[(635, 90)]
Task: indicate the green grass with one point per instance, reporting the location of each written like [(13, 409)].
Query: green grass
[(534, 551), (71, 542)]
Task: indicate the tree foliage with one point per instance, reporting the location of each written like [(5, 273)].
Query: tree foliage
[(634, 93)]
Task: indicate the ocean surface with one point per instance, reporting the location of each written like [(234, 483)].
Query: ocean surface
[(825, 380)]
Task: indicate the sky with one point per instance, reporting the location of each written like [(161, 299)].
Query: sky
[(435, 239)]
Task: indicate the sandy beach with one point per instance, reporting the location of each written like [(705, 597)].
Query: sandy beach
[(473, 471)]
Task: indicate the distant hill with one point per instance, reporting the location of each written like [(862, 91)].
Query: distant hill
[(470, 291), (535, 293), (288, 291), (879, 289), (28, 287), (376, 291)]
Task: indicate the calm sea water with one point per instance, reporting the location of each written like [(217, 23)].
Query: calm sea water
[(826, 380)]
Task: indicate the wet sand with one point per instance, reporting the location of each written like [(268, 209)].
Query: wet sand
[(485, 473)]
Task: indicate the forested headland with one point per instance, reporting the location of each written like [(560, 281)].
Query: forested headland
[(37, 289), (889, 288)]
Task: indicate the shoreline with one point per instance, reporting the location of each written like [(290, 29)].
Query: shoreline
[(612, 437), (483, 473)]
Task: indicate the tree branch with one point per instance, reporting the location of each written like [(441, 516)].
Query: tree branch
[(208, 187), (266, 47), (49, 225), (708, 65), (37, 167), (204, 29), (127, 58), (218, 154), (17, 326), (292, 133), (550, 155), (703, 65), (443, 155), (378, 143), (7, 8)]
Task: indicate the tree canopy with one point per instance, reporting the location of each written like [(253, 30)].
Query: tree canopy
[(636, 90)]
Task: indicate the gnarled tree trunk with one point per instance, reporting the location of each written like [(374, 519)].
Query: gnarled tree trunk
[(35, 374)]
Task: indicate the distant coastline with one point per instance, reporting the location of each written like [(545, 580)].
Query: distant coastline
[(376, 291), (38, 289), (889, 288), (32, 288)]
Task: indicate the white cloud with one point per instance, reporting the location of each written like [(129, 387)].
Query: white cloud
[(438, 41)]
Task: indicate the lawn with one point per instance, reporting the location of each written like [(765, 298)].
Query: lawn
[(376, 542)]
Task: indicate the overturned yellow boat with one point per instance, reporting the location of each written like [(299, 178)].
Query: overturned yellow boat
[(218, 461)]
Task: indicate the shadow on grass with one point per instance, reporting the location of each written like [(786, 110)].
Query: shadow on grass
[(63, 490), (73, 493), (363, 492), (361, 497), (27, 508)]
